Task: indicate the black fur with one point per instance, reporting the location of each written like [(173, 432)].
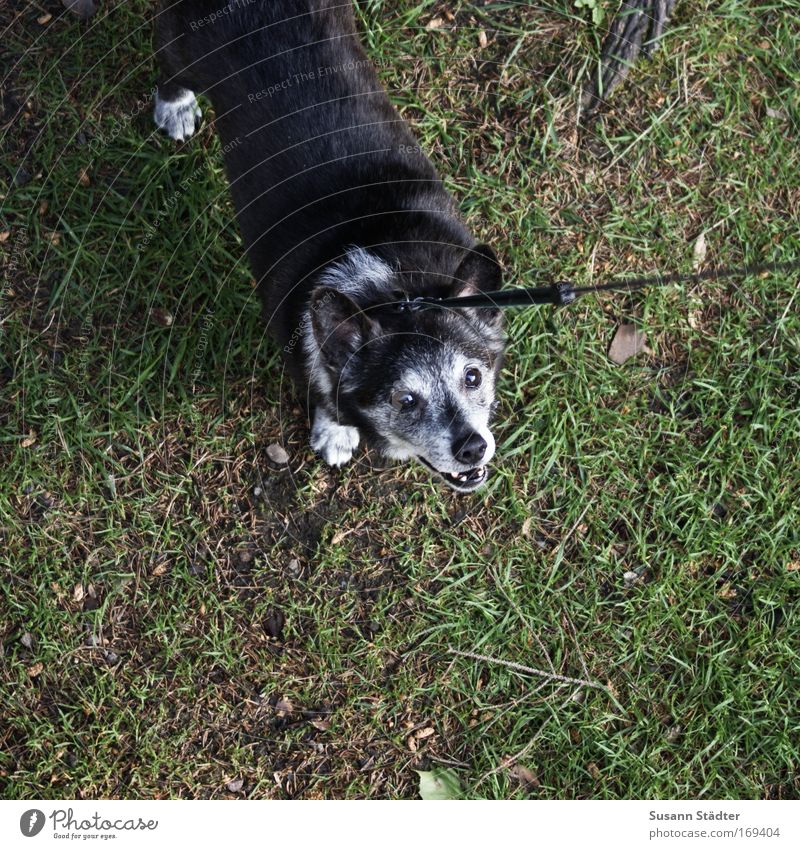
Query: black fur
[(315, 164)]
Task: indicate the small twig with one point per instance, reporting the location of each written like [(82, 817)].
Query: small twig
[(529, 669), (440, 760), (577, 644)]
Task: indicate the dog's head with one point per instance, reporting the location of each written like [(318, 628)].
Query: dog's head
[(419, 384)]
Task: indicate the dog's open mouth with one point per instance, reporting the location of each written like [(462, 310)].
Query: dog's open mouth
[(466, 481)]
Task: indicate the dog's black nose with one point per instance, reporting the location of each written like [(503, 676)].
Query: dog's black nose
[(469, 449)]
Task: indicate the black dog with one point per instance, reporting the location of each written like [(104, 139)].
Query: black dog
[(341, 213)]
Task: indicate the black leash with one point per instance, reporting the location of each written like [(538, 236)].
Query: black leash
[(564, 293)]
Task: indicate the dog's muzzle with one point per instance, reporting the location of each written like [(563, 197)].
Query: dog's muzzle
[(467, 481)]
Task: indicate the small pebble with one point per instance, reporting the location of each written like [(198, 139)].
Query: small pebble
[(21, 177), (277, 453), (83, 8)]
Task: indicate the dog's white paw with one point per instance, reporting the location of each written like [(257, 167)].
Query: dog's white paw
[(335, 443), (178, 118)]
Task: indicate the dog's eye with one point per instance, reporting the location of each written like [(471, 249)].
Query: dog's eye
[(402, 399), (472, 378)]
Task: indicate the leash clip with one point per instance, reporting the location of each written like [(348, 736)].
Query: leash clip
[(412, 304), (563, 293)]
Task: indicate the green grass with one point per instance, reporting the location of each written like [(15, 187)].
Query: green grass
[(176, 614)]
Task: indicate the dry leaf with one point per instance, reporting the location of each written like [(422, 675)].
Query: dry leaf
[(627, 342), (284, 707), (91, 601), (44, 19), (699, 252), (777, 113), (321, 724), (29, 440), (274, 623), (36, 669), (673, 733), (235, 785), (435, 23), (523, 775), (482, 39)]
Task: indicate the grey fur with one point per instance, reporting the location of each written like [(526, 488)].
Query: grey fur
[(359, 273)]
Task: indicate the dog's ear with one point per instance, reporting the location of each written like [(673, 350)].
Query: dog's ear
[(339, 326), (478, 272)]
